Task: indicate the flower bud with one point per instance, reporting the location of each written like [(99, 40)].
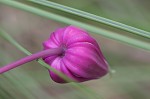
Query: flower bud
[(81, 59)]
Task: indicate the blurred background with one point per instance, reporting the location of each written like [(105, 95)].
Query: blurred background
[(131, 79)]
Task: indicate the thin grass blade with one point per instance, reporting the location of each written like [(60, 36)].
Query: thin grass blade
[(90, 16)]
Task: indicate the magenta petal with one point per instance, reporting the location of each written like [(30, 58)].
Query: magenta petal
[(56, 64), (82, 58)]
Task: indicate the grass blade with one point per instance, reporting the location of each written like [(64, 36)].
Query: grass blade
[(90, 16), (10, 39), (103, 32)]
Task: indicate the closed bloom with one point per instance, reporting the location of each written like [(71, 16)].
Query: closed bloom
[(81, 59)]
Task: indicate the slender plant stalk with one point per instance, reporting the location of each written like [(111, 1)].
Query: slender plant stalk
[(90, 16), (32, 57), (12, 41), (17, 45), (103, 32)]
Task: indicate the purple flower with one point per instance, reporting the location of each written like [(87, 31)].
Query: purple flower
[(81, 59)]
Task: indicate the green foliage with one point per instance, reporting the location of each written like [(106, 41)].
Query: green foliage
[(106, 33)]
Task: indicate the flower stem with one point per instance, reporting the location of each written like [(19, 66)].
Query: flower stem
[(54, 51)]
